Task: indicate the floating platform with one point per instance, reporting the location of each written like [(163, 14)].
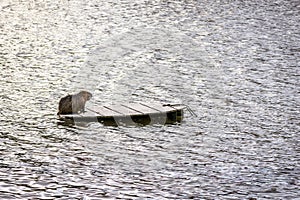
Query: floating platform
[(129, 114)]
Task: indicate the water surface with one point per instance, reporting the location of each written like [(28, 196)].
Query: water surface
[(236, 64)]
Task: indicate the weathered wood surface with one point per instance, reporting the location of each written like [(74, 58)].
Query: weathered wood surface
[(130, 114)]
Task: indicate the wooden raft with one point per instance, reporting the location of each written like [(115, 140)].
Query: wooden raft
[(129, 114)]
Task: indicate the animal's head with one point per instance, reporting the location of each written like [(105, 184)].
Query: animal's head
[(86, 95)]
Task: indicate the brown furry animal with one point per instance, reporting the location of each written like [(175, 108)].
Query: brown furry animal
[(74, 103)]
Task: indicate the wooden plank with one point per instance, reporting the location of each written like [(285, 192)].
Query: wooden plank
[(140, 108), (159, 107), (70, 116), (89, 113), (178, 106), (122, 109), (130, 114), (102, 111)]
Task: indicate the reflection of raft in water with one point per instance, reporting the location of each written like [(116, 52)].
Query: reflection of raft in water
[(129, 114)]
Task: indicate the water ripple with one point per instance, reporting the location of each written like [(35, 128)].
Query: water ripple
[(234, 63)]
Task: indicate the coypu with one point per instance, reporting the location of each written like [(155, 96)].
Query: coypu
[(73, 103)]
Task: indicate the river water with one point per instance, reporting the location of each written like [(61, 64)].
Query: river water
[(235, 63)]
